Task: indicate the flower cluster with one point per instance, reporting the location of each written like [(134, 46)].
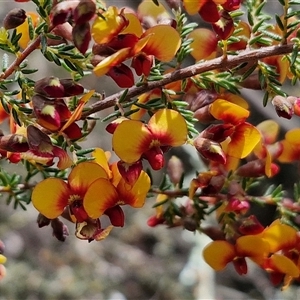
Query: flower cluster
[(275, 249), (91, 190), (119, 35), (166, 102)]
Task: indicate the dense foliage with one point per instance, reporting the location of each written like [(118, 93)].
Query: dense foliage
[(180, 83)]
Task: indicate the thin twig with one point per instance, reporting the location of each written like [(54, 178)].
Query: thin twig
[(217, 63)]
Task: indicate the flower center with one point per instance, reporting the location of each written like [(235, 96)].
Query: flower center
[(154, 143), (74, 198)]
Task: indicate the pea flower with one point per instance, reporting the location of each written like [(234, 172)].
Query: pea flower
[(245, 136), (120, 37), (91, 190), (274, 250), (166, 128)]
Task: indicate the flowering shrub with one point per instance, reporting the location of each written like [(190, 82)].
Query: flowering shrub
[(173, 75)]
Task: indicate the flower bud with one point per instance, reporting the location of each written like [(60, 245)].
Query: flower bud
[(42, 220), (254, 168), (14, 143), (210, 150), (60, 230), (283, 107), (84, 11), (71, 88), (63, 11), (82, 36), (49, 87), (175, 169), (14, 18), (200, 99), (250, 225), (122, 75)]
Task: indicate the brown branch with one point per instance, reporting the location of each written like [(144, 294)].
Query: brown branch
[(217, 63), (29, 49), (34, 45)]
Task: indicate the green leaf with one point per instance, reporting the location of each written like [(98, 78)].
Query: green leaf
[(279, 22)]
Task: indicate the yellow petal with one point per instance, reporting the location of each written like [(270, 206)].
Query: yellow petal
[(135, 195), (252, 246), (115, 59), (243, 140), (130, 140), (134, 25), (228, 112), (169, 127), (280, 236), (101, 159), (50, 197), (104, 29), (100, 196), (284, 265), (204, 44), (218, 254), (163, 43), (83, 175)]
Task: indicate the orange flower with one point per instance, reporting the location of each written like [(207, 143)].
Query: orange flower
[(245, 136), (219, 253), (166, 128), (271, 249), (92, 189), (161, 41)]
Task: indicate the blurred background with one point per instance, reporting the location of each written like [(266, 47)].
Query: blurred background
[(134, 262)]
